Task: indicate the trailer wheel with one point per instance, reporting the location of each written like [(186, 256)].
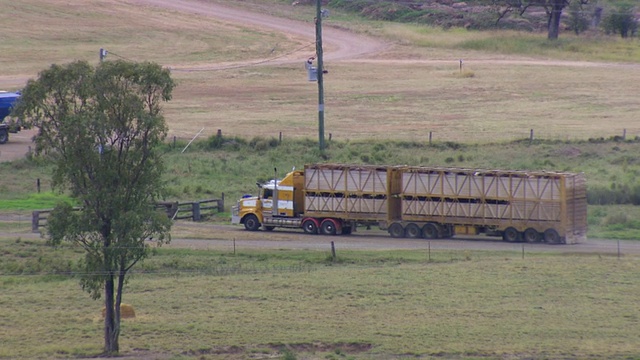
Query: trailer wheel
[(328, 227), (269, 228), (551, 236), (413, 231), (251, 222), (4, 136), (310, 226), (531, 235), (346, 230), (510, 234), (430, 231), (396, 230)]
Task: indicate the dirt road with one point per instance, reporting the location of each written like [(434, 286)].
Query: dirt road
[(203, 236), (338, 44), (18, 146)]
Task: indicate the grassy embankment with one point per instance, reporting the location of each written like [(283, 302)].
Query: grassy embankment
[(234, 167), (209, 304)]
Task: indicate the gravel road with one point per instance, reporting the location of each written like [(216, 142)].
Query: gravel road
[(226, 237)]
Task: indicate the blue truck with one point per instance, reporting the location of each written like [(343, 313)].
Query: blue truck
[(7, 100)]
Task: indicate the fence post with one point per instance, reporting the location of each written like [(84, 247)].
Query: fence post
[(221, 203), (333, 251), (35, 221), (530, 136), (195, 207), (430, 136)]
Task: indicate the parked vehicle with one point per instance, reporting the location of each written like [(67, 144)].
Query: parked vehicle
[(422, 202), (7, 100)]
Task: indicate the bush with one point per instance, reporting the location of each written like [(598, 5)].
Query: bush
[(616, 219), (616, 194), (621, 20), (217, 142)]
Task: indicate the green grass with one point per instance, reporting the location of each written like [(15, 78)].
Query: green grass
[(370, 305), (34, 201)]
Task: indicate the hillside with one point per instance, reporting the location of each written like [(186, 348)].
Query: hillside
[(482, 15)]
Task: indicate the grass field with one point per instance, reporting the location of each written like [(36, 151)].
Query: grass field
[(368, 305), (380, 109)]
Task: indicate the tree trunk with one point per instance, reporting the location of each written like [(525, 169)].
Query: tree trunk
[(554, 18), (111, 323)]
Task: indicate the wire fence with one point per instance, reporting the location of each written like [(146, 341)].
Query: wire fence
[(244, 257)]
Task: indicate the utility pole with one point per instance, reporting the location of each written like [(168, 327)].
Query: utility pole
[(320, 73)]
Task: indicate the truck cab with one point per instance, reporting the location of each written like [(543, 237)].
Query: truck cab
[(279, 203), (7, 100)]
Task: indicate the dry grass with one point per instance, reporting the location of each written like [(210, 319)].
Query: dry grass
[(370, 306), (409, 99), (405, 93), (38, 33)]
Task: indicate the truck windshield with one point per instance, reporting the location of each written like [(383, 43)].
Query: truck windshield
[(268, 193)]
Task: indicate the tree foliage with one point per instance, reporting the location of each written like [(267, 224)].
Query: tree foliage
[(101, 127), (578, 19), (621, 21), (553, 8)]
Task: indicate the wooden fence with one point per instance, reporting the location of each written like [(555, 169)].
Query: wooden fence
[(194, 210)]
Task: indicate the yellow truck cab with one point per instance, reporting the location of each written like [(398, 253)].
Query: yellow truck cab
[(256, 211)]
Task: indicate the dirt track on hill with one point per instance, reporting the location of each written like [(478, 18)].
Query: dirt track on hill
[(338, 44)]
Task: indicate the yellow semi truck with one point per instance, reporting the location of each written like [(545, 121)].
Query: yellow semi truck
[(422, 202)]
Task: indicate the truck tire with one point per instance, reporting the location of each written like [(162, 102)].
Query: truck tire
[(532, 235), (413, 231), (346, 230), (551, 236), (310, 226), (511, 234), (430, 231), (4, 136), (396, 230), (251, 222), (328, 227)]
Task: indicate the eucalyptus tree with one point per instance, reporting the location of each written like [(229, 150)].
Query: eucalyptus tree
[(622, 20), (101, 128), (553, 8)]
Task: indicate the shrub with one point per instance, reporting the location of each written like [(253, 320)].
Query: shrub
[(616, 219), (216, 142), (621, 21)]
